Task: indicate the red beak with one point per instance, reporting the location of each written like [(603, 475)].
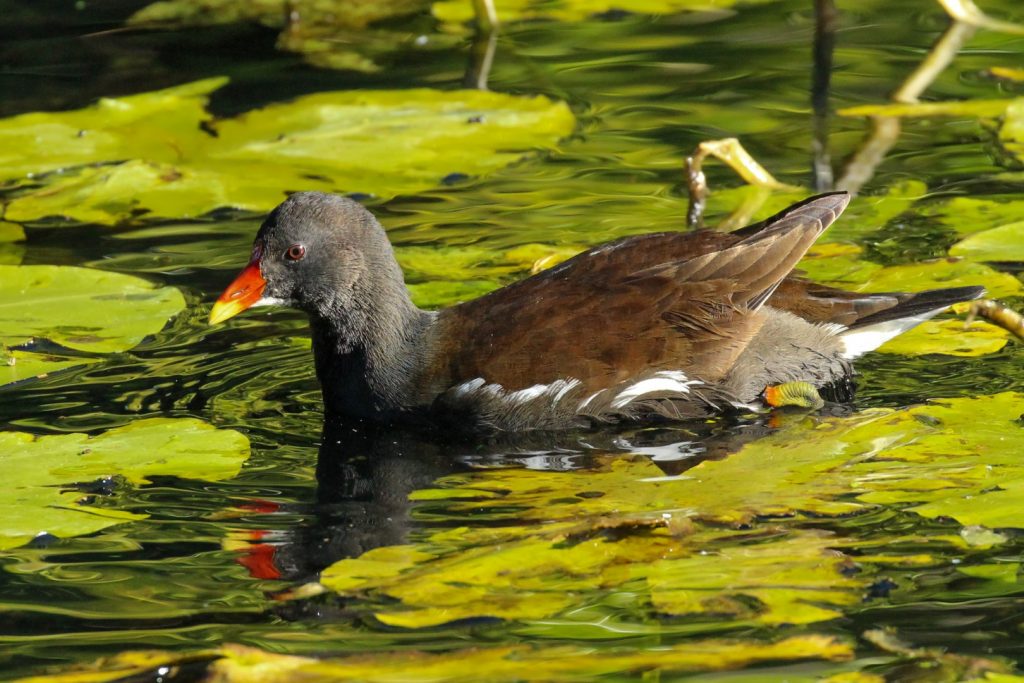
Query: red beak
[(241, 294)]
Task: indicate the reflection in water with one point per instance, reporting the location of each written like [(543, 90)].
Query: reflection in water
[(365, 475)]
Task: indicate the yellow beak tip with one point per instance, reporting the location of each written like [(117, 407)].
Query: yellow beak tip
[(221, 312)]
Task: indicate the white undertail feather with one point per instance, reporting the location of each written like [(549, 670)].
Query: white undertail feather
[(861, 340)]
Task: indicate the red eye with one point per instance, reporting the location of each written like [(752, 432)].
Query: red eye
[(295, 252)]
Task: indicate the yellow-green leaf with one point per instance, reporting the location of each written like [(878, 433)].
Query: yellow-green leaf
[(158, 155), (1002, 244), (87, 310), (40, 472), (950, 338)]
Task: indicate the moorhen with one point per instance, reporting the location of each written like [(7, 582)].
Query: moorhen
[(673, 325)]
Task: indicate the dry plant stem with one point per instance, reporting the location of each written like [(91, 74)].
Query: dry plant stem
[(885, 130), (485, 42), (826, 21), (938, 58), (730, 152), (481, 59), (997, 313), (486, 15), (967, 12)]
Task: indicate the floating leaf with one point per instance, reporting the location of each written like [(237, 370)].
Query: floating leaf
[(41, 472), (951, 272), (326, 32), (939, 459), (461, 11), (968, 215), (950, 338), (967, 108), (11, 251), (237, 664), (530, 578), (795, 580), (837, 263), (83, 309), (1011, 133), (149, 154), (350, 14), (1002, 244)]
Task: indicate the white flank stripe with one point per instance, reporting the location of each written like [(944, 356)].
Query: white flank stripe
[(524, 395), (556, 391), (588, 399), (469, 387), (569, 386), (666, 381)]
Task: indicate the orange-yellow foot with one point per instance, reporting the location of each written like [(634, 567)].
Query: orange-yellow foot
[(800, 394)]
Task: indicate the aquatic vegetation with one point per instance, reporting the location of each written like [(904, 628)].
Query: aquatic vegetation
[(61, 486), (161, 155), (76, 309)]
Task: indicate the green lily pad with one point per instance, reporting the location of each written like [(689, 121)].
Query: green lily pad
[(1002, 244), (327, 33), (350, 14), (939, 460), (795, 580), (949, 338), (989, 109), (151, 154), (1007, 73), (86, 310), (969, 215), (41, 472), (1011, 133), (11, 249), (951, 272), (461, 11), (501, 664)]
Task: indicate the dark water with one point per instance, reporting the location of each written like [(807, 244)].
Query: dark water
[(646, 91)]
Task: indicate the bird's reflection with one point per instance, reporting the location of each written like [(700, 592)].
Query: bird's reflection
[(365, 476)]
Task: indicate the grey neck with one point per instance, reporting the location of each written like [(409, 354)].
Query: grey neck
[(370, 354)]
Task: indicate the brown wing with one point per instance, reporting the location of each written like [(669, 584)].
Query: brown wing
[(665, 301)]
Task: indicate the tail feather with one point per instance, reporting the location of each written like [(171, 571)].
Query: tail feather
[(870, 332)]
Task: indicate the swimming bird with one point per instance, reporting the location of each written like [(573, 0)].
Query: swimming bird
[(665, 325)]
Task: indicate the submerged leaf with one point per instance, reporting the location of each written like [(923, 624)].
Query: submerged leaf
[(44, 475)]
